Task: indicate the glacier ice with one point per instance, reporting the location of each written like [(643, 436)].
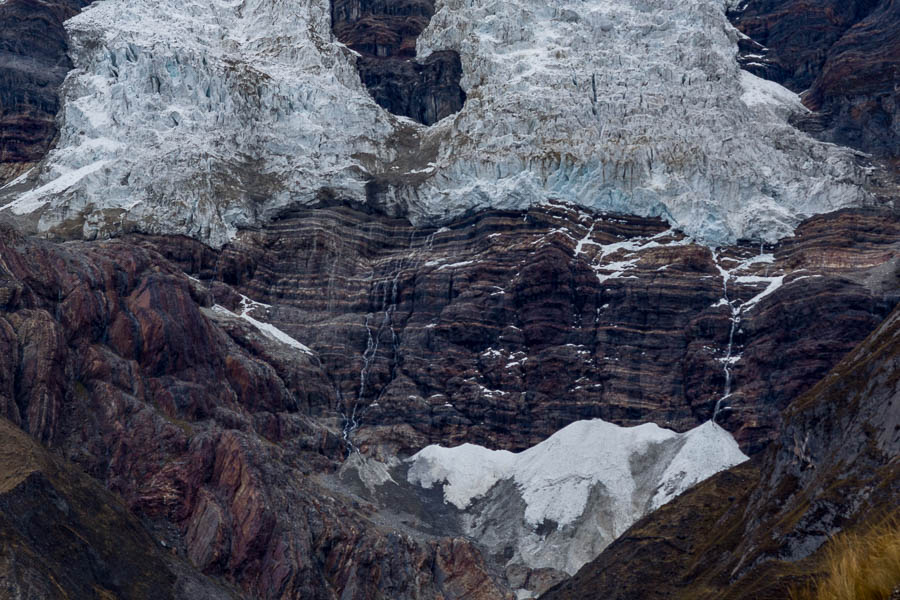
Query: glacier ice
[(203, 117)]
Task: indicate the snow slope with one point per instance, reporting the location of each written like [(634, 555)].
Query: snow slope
[(202, 117), (590, 481)]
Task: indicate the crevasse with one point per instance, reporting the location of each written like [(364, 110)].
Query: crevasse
[(201, 118)]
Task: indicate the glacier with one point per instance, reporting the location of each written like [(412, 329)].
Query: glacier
[(559, 503), (203, 118)]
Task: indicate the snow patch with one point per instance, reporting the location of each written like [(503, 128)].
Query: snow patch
[(557, 476), (267, 329)]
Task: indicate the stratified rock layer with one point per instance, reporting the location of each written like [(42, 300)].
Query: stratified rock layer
[(506, 326), (755, 531)]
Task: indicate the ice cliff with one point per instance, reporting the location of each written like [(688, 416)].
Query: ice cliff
[(201, 118)]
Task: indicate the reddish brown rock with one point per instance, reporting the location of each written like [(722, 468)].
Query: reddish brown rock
[(63, 536), (119, 362), (498, 329)]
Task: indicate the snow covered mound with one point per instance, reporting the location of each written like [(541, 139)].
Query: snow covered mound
[(197, 117), (581, 488)]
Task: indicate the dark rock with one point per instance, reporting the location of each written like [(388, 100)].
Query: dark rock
[(384, 34), (846, 54), (33, 64), (758, 530), (211, 431)]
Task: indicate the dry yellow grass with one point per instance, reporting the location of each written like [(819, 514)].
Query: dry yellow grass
[(859, 565)]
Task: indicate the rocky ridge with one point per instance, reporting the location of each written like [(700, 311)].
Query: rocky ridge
[(63, 535), (757, 530), (846, 55)]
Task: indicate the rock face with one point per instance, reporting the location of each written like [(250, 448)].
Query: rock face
[(62, 535), (335, 329), (204, 421), (504, 327), (753, 532), (385, 33), (198, 119), (847, 54), (33, 64)]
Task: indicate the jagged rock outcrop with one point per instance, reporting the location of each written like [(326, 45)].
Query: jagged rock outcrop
[(204, 421), (33, 64), (846, 54), (384, 34), (754, 531)]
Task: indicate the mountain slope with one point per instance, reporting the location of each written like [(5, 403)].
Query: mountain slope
[(755, 531), (62, 535)]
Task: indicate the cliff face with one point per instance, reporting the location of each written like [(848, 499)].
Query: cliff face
[(216, 391), (336, 329), (846, 54), (754, 532), (385, 34), (525, 322), (204, 422), (33, 64)]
